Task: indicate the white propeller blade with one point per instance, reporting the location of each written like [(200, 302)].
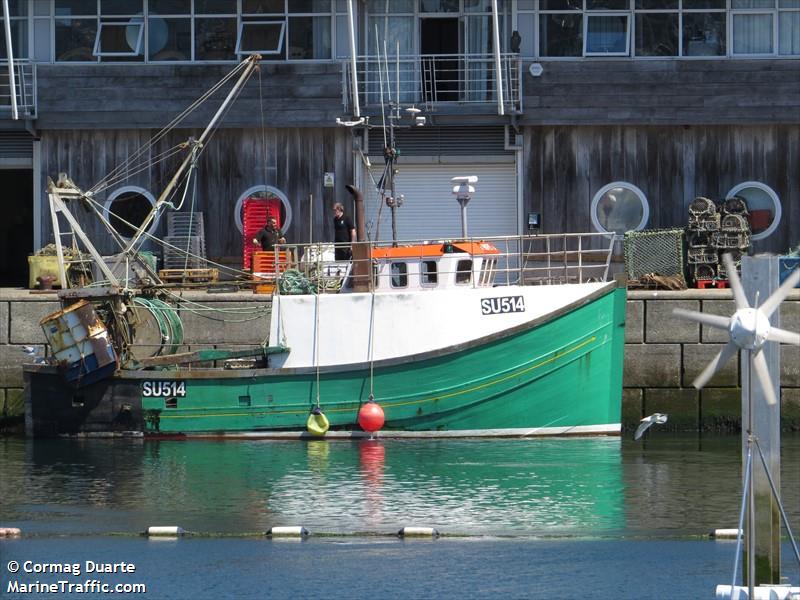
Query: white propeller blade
[(783, 336), (716, 364), (736, 285), (771, 303), (762, 372), (717, 321)]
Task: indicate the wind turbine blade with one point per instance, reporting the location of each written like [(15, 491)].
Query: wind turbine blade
[(716, 364), (717, 321), (762, 372), (783, 336), (779, 295), (736, 285)]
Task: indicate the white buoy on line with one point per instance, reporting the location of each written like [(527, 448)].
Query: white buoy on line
[(161, 531), (291, 531), (726, 534), (407, 532), (10, 532)]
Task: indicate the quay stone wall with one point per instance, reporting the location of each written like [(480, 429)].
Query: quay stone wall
[(663, 354)]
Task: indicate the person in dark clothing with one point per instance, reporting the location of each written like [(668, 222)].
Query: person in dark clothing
[(269, 235), (344, 232)]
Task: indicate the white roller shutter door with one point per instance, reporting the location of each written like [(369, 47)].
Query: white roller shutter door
[(430, 210)]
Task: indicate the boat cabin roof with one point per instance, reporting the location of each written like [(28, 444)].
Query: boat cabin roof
[(434, 250)]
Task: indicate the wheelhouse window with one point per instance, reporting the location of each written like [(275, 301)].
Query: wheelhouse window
[(399, 275), (487, 271), (464, 271), (619, 207), (428, 273)]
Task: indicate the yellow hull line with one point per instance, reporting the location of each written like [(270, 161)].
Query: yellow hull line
[(396, 404)]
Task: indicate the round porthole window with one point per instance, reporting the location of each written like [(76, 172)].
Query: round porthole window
[(763, 206), (619, 207), (265, 192), (127, 208)]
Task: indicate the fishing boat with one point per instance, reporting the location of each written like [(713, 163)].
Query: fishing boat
[(512, 336)]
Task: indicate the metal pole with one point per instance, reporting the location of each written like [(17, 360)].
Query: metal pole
[(12, 80), (311, 219), (497, 67), (351, 28), (760, 280)]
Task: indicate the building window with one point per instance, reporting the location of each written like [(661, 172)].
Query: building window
[(763, 205), (260, 37), (606, 35), (119, 38), (428, 274), (574, 28), (18, 17), (619, 207), (127, 208), (265, 192), (186, 30), (657, 26), (399, 275)]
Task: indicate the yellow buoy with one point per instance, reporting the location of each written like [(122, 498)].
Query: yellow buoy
[(317, 423)]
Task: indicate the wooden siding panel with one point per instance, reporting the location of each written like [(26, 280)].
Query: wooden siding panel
[(603, 91), (566, 166), (110, 96), (292, 160)]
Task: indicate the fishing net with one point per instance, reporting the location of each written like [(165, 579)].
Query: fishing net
[(655, 251)]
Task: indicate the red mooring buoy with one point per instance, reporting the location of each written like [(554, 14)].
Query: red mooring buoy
[(370, 416)]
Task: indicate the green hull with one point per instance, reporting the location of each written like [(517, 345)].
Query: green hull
[(563, 375)]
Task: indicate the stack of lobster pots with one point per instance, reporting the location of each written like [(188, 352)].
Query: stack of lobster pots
[(712, 231)]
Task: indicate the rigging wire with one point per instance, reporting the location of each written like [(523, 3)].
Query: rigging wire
[(169, 127)]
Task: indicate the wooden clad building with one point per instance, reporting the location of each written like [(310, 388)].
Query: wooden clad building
[(615, 114)]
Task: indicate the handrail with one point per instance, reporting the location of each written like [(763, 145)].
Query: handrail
[(26, 92), (547, 259), (428, 79)]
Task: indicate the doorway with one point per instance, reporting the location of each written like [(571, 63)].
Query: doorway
[(440, 76), (16, 226)]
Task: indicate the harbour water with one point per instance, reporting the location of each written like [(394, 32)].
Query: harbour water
[(561, 518)]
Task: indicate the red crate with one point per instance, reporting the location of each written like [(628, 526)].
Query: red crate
[(759, 220), (255, 212)]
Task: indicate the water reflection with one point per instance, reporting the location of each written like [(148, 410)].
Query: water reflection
[(460, 486), (667, 485)]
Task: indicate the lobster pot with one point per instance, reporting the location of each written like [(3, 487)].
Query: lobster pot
[(659, 251), (80, 343)]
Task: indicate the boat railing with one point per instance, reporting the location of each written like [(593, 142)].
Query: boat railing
[(548, 259)]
